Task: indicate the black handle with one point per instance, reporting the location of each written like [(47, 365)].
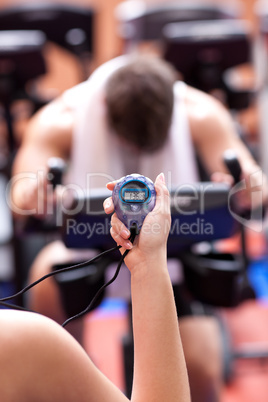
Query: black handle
[(233, 165), (231, 162), (56, 169)]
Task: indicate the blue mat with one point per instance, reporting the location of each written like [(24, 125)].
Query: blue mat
[(258, 276), (111, 307)]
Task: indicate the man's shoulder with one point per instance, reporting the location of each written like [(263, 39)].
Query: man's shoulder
[(55, 120), (204, 113), (201, 105), (195, 96)]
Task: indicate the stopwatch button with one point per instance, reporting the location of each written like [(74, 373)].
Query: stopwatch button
[(135, 208)]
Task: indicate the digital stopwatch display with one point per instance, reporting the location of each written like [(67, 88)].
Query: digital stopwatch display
[(133, 197), (134, 192)]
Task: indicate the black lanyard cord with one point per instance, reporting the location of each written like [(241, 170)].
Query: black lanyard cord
[(65, 269), (87, 309), (69, 268)]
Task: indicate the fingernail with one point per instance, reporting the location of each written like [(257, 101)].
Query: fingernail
[(125, 234), (128, 245), (108, 203), (108, 184), (162, 177)]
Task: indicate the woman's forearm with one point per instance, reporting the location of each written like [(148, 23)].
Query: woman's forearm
[(159, 366)]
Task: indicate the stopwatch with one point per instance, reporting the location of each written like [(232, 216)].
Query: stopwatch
[(133, 197)]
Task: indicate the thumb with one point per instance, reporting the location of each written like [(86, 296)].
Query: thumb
[(162, 193)]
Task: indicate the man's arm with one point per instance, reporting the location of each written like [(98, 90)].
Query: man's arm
[(213, 132), (48, 135)]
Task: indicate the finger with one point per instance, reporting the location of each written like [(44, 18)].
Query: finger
[(162, 194), (108, 205), (111, 185), (120, 240), (119, 227)]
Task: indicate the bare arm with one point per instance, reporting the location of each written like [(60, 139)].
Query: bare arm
[(159, 367), (47, 363), (48, 135), (213, 133), (46, 360)]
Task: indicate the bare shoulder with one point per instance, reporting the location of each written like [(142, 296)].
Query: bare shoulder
[(206, 114), (51, 126), (201, 105)]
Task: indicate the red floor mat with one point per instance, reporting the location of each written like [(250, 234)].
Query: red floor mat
[(104, 332), (248, 325)]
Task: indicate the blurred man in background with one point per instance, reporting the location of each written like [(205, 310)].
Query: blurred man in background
[(131, 116)]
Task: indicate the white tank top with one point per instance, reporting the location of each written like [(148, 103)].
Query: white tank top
[(99, 156)]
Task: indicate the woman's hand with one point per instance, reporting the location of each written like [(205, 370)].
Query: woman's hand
[(152, 239)]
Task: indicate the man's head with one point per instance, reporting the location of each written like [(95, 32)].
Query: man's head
[(139, 99)]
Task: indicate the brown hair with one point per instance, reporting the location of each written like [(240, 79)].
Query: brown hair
[(139, 99)]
